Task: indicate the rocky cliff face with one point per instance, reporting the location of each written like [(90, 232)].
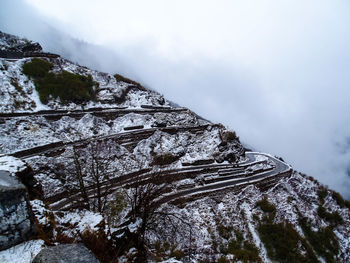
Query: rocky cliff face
[(12, 43), (116, 166), (16, 219)]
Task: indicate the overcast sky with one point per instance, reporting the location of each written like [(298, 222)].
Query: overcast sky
[(277, 72)]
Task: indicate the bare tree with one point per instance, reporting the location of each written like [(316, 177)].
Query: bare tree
[(95, 165), (147, 215), (171, 227), (93, 168), (144, 196)]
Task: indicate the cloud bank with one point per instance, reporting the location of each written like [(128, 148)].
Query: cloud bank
[(277, 72)]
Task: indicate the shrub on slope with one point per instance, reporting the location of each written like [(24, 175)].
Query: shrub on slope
[(69, 87)]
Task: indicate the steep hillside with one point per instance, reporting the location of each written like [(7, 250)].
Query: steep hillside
[(116, 166)]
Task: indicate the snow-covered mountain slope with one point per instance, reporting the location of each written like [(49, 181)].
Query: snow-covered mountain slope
[(118, 167), (19, 92)]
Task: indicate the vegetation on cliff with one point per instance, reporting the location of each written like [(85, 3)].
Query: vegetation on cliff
[(67, 86)]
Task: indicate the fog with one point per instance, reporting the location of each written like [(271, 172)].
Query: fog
[(277, 72)]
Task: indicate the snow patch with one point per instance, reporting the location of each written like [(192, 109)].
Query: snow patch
[(134, 226), (22, 253), (11, 164), (82, 220)]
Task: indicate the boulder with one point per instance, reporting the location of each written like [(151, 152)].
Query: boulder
[(68, 253), (16, 219)]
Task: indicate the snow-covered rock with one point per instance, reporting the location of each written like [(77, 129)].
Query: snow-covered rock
[(22, 253), (16, 220)]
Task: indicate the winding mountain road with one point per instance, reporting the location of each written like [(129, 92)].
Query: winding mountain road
[(126, 137), (280, 168), (235, 178), (99, 112), (207, 178)]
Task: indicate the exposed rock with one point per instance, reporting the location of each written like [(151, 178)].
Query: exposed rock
[(69, 253), (27, 178), (16, 221), (16, 44)]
